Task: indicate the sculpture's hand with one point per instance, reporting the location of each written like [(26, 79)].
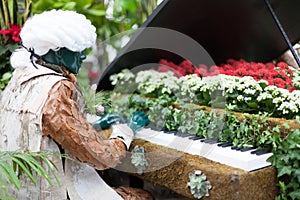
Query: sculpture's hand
[(107, 120), (138, 120), (125, 132)]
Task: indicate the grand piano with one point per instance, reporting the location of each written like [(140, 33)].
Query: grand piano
[(207, 32)]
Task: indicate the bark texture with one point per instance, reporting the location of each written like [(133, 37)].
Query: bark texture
[(65, 123)]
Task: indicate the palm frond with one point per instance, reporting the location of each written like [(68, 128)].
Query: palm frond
[(15, 164)]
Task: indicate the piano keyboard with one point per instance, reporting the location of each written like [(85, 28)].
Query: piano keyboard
[(218, 152)]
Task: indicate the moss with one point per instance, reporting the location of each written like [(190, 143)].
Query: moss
[(170, 168)]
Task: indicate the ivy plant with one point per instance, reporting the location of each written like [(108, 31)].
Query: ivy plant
[(286, 159)]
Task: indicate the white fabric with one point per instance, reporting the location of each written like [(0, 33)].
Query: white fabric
[(122, 132), (55, 29), (84, 183), (20, 58), (21, 106)]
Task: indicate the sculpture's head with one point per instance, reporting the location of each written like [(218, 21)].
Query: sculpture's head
[(59, 37)]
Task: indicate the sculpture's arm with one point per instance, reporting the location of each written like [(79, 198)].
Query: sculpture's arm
[(66, 124)]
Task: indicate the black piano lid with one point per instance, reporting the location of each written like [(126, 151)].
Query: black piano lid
[(239, 29)]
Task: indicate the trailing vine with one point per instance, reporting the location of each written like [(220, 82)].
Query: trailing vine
[(286, 159)]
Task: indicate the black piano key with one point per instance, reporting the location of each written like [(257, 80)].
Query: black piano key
[(169, 132), (262, 151), (194, 137), (234, 147), (211, 141), (182, 134), (225, 144), (202, 140), (220, 144), (238, 148), (246, 149)]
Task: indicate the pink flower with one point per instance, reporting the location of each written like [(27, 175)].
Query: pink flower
[(100, 108)]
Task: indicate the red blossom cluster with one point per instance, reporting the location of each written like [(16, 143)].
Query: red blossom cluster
[(184, 68), (278, 74), (13, 34)]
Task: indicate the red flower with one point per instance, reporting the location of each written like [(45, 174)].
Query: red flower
[(163, 68), (282, 65), (187, 66), (13, 32), (93, 75), (213, 70), (276, 74)]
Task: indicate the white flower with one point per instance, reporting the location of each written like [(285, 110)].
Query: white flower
[(240, 98), (263, 81), (263, 96), (278, 100), (286, 107), (249, 91), (247, 99)]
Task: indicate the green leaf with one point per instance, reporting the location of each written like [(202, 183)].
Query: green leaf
[(33, 163), (6, 198), (6, 76), (285, 170), (50, 166), (295, 194), (286, 126), (252, 104), (58, 4), (83, 3), (24, 168), (70, 6), (95, 12), (10, 174), (129, 5)]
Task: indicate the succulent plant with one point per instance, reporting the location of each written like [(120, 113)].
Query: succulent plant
[(138, 159), (198, 184)]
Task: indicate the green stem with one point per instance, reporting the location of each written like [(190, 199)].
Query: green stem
[(5, 13)]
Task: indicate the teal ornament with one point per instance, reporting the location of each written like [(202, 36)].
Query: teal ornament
[(64, 57)]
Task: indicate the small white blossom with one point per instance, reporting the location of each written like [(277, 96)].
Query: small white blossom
[(249, 91), (278, 100), (240, 98), (263, 96), (247, 99)]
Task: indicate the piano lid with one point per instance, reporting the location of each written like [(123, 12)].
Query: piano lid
[(225, 29)]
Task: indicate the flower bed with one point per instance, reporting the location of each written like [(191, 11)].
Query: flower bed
[(260, 111), (242, 94), (158, 91)]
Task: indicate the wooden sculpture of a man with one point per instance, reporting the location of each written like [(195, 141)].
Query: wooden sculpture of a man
[(40, 109)]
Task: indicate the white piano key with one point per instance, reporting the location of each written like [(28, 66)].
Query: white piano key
[(225, 155)]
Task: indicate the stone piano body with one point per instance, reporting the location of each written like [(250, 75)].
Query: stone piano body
[(208, 32)]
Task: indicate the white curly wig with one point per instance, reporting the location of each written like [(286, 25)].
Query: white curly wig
[(55, 29)]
